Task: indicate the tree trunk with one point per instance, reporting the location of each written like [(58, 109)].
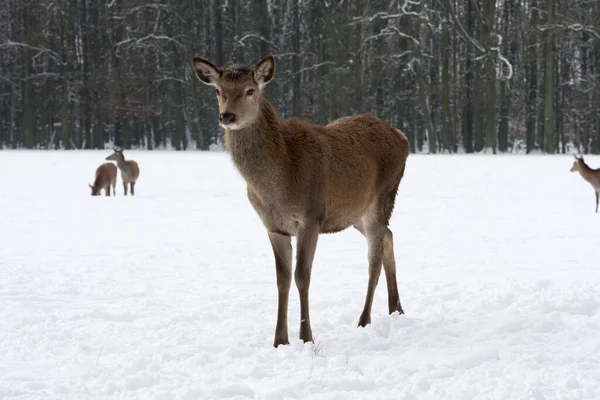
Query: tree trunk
[(549, 76), (447, 114), (431, 134), (490, 76), (468, 105), (296, 76), (28, 112), (64, 111)]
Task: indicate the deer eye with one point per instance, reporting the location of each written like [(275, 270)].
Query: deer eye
[(249, 92), (217, 91)]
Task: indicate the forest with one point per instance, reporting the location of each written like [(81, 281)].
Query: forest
[(455, 75)]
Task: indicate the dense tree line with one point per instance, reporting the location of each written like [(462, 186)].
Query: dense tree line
[(455, 75)]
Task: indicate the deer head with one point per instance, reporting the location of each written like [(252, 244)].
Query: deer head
[(95, 190), (239, 89), (577, 164), (116, 155)]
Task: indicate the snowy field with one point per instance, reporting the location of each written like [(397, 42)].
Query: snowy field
[(171, 294)]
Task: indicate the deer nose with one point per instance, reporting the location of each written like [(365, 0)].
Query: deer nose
[(227, 118)]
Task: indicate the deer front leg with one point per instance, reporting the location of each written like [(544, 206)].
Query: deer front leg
[(132, 185), (597, 195), (282, 250), (307, 244), (125, 187), (107, 190)]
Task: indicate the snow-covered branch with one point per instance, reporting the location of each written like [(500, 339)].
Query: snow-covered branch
[(412, 3), (506, 62), (247, 36), (391, 16), (151, 36), (315, 66)]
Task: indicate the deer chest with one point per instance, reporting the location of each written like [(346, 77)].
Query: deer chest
[(277, 216)]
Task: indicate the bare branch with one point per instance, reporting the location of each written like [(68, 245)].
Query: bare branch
[(41, 50), (402, 34), (463, 32), (169, 78), (41, 75)]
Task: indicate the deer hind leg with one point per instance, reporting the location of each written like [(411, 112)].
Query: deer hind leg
[(282, 250), (374, 226), (132, 185), (125, 187), (114, 186), (389, 266), (107, 190), (374, 233), (307, 244), (386, 203), (597, 195)]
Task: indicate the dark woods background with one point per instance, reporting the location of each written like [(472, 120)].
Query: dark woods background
[(455, 75)]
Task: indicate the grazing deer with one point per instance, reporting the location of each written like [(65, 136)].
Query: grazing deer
[(304, 180), (129, 169), (106, 176), (592, 176)]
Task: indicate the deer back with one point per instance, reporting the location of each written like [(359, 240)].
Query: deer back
[(106, 174), (133, 169)]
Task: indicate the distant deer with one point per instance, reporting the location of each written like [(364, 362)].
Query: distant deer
[(106, 176), (304, 179), (129, 169), (592, 176)]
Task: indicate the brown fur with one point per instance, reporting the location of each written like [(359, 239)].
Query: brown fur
[(305, 179), (106, 176), (130, 170), (592, 176)]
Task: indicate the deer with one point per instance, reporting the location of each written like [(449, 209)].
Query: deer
[(304, 179), (106, 176), (129, 169), (592, 176)]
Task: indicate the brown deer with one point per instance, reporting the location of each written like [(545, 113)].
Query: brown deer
[(305, 179), (106, 176), (129, 169), (592, 176)]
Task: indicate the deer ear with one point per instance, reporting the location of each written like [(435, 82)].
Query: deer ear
[(264, 71), (205, 71)]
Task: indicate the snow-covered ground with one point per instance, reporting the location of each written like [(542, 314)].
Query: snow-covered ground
[(171, 294)]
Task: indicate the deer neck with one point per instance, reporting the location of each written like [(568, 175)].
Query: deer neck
[(258, 151), (586, 172), (97, 181), (122, 164)]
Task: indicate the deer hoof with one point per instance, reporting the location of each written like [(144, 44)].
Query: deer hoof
[(364, 320), (306, 335), (393, 307), (280, 341)]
